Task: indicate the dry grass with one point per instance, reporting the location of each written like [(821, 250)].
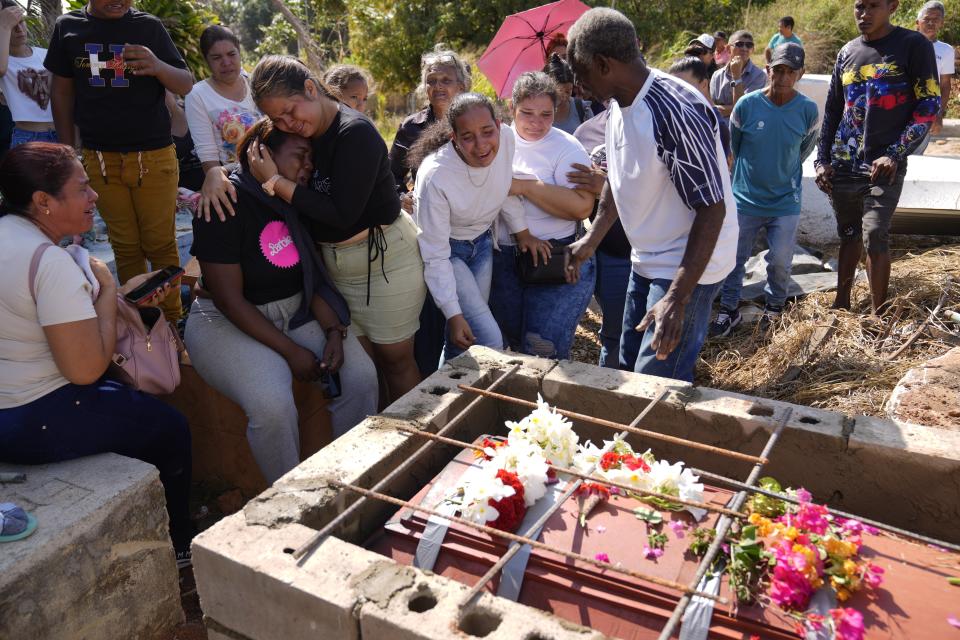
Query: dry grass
[(852, 371)]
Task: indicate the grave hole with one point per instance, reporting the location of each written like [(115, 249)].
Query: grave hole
[(289, 550), (760, 410), (809, 420), (456, 375), (423, 601), (479, 623), (438, 391), (536, 636)]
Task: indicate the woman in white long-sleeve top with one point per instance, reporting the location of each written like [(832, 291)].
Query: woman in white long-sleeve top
[(463, 184)]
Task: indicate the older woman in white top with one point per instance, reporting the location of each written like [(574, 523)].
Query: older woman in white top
[(219, 110), (462, 186)]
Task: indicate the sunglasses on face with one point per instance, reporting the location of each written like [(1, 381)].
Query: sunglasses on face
[(743, 45)]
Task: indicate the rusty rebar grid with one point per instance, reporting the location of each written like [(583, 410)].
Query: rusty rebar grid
[(317, 538), (723, 525), (573, 472), (367, 493), (622, 427), (542, 520)]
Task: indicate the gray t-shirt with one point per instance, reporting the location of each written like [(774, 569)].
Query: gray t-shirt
[(721, 91), (573, 119)]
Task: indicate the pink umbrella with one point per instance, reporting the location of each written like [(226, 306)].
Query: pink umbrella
[(521, 43)]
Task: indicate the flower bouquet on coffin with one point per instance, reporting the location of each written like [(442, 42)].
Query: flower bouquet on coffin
[(786, 553), (617, 462), (513, 475), (548, 430)]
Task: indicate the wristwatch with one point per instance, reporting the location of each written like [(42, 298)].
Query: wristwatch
[(270, 184)]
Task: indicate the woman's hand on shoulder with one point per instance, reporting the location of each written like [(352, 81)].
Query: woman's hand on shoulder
[(216, 194)]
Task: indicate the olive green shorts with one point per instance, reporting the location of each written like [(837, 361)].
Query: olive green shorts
[(382, 281)]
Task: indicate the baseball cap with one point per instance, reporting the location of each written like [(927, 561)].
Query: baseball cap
[(788, 53), (705, 39)]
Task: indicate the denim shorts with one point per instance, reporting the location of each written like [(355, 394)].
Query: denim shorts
[(21, 136)]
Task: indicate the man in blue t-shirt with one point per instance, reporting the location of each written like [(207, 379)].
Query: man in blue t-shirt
[(772, 131), (783, 35)]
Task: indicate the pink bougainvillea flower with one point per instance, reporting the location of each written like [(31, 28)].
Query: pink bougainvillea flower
[(847, 624), (952, 621), (679, 527), (803, 495), (873, 575), (652, 553), (602, 557)]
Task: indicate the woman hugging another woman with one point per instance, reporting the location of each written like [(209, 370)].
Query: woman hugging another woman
[(463, 183), (267, 312), (351, 210)]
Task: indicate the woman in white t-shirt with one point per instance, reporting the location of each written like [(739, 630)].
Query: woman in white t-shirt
[(219, 110), (58, 332), (541, 319), (25, 81), (463, 183)]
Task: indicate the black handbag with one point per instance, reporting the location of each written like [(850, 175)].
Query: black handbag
[(553, 272)]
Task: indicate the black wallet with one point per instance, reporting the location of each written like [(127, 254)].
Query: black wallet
[(553, 272)]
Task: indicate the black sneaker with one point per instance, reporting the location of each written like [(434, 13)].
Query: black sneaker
[(184, 559), (771, 315), (724, 323)]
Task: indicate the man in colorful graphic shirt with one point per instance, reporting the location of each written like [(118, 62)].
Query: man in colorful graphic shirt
[(883, 98)]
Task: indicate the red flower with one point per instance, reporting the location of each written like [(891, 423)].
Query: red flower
[(610, 460), (511, 509), (633, 463), (487, 442)]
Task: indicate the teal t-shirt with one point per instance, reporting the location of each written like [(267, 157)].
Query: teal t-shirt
[(769, 145), (778, 39)]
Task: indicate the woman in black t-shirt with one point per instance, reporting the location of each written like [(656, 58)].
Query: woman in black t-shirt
[(352, 210), (267, 312)]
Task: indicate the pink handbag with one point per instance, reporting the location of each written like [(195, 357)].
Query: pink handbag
[(147, 353)]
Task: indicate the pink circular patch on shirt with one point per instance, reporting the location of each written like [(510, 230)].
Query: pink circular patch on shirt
[(277, 246)]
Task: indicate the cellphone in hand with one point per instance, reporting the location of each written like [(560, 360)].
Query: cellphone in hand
[(331, 384), (160, 279)]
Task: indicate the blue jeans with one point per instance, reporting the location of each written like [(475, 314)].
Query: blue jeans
[(613, 277), (539, 320), (781, 234), (472, 262), (635, 351), (82, 420), (20, 136)]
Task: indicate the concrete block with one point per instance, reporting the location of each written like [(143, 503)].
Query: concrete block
[(100, 564), (250, 586), (904, 474)]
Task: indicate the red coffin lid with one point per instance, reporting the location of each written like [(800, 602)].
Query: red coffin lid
[(914, 601)]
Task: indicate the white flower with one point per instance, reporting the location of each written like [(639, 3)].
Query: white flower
[(636, 478), (479, 512), (525, 459), (548, 429)]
